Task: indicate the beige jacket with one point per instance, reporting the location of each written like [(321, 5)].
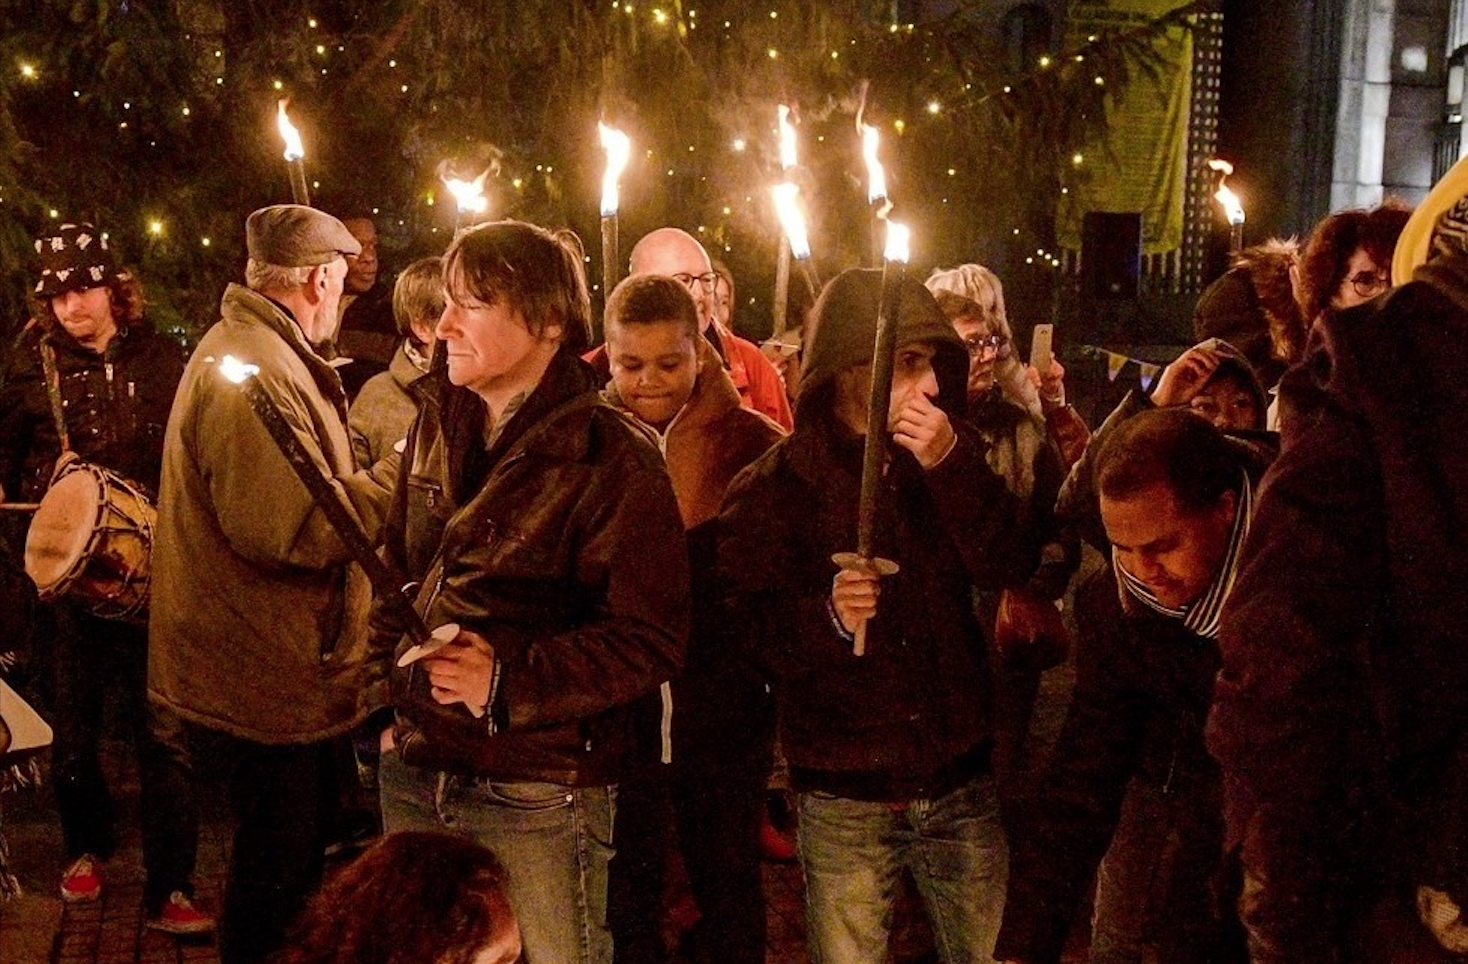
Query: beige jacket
[(258, 622)]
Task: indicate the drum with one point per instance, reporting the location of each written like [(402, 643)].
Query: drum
[(92, 541)]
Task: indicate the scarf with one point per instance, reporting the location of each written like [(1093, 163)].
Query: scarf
[(1203, 616)]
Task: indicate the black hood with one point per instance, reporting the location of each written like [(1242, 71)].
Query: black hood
[(843, 331)]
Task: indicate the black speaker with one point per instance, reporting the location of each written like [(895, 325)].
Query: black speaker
[(1111, 254)]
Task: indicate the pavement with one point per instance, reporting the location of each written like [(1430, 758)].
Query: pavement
[(39, 928)]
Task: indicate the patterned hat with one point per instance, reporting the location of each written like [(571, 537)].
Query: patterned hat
[(72, 258)]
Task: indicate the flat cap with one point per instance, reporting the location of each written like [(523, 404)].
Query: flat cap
[(296, 236)]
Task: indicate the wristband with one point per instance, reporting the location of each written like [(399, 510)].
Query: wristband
[(836, 624)]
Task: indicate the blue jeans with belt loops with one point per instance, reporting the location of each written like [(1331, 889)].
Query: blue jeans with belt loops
[(555, 843), (852, 853)]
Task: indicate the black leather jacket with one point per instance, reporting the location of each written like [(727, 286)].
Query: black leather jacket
[(563, 547)]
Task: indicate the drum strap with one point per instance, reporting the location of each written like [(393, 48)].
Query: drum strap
[(53, 392)]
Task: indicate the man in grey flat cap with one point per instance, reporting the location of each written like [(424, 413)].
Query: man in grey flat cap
[(258, 614)]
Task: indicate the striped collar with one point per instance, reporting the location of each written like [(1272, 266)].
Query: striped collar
[(1203, 615)]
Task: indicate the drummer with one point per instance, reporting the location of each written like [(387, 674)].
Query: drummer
[(113, 383)]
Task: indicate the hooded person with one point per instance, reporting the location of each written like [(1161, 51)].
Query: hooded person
[(889, 750), (1213, 379), (1338, 716)]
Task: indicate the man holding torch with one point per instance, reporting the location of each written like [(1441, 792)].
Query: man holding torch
[(258, 626), (888, 750)]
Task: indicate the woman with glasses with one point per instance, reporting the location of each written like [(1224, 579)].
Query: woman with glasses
[(1017, 599), (1348, 259)]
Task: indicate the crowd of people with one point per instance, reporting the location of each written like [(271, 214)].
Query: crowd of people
[(421, 561)]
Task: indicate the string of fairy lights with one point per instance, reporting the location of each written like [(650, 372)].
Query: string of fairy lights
[(518, 174)]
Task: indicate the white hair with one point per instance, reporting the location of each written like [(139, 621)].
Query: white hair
[(261, 276), (981, 286)]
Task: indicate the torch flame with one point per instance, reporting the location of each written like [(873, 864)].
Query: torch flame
[(236, 370), (876, 176), (294, 150), (468, 195), (898, 243), (787, 139), (791, 220), (619, 149), (1232, 207), (1220, 165)]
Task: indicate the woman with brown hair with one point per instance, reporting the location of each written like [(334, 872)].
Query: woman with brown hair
[(1348, 259)]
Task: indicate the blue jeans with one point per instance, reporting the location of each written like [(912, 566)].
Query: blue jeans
[(853, 851), (1127, 877), (555, 843)]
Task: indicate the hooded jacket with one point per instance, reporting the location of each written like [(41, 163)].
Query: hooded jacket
[(911, 716), (1339, 713), (1078, 505)]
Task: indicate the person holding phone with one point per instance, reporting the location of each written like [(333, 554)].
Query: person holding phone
[(1017, 595)]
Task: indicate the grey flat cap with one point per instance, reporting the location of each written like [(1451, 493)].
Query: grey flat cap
[(295, 236)]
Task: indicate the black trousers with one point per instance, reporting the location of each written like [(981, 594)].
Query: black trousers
[(281, 798), (707, 803), (94, 660)]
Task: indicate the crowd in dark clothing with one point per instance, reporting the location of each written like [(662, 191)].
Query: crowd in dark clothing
[(571, 604)]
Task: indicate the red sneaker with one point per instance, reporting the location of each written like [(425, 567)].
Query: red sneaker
[(773, 844), (82, 881), (180, 916)]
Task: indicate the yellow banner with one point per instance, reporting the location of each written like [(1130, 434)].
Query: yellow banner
[(1141, 165)]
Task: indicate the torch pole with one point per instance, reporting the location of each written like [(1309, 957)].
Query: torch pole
[(811, 276), (297, 168), (610, 269), (385, 583), (1235, 237), (874, 451), (782, 286), (879, 207)]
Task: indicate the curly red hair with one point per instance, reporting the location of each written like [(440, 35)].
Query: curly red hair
[(1328, 252), (411, 898)]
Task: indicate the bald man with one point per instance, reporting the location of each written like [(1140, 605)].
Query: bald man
[(677, 254)]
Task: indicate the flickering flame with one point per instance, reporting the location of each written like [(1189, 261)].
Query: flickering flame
[(468, 195), (787, 139), (1220, 165), (791, 220), (236, 370), (876, 176), (294, 150), (619, 149), (1231, 204), (898, 243)]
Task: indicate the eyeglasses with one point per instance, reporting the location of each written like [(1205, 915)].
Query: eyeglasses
[(689, 281), (1369, 283), (978, 344)]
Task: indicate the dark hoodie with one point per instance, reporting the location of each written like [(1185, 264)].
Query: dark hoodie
[(1232, 361), (911, 717), (1078, 505)]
